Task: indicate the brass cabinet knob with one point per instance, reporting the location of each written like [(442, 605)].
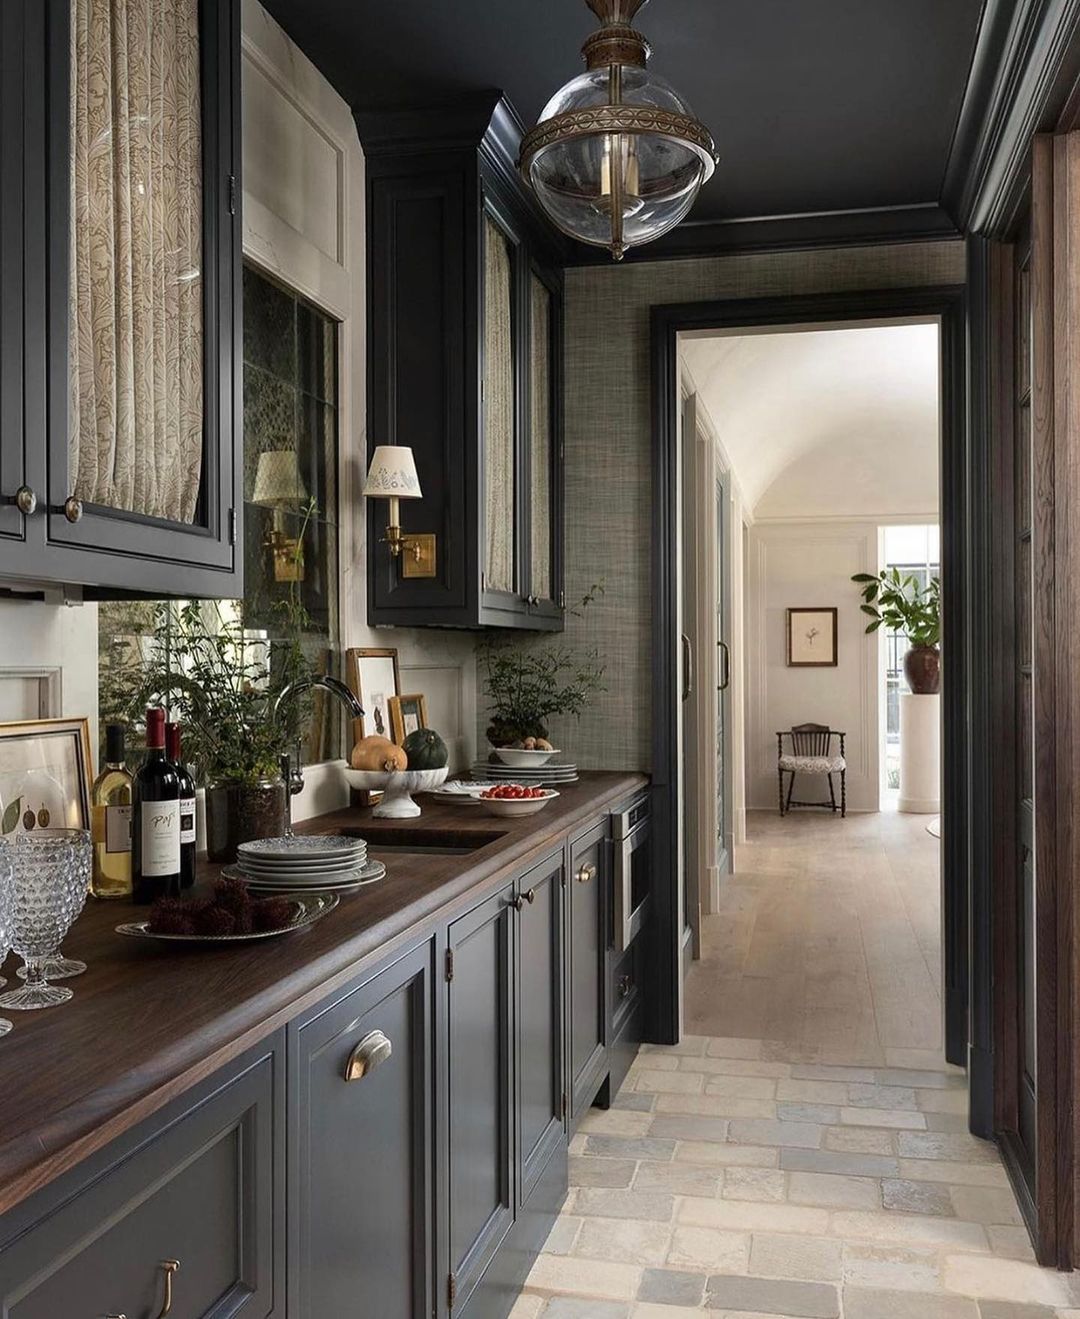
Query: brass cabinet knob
[(626, 984), (586, 874), (369, 1055), (73, 509), (519, 902), (26, 500)]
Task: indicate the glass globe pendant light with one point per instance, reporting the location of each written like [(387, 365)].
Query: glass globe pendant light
[(617, 157)]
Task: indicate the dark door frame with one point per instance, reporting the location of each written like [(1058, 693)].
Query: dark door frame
[(947, 303)]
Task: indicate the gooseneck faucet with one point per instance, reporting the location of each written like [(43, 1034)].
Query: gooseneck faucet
[(293, 771)]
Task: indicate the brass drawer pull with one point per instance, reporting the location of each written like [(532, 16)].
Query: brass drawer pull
[(586, 874), (168, 1267), (369, 1055)]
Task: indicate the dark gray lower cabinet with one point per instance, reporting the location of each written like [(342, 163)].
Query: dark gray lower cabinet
[(204, 1188), (361, 1150), (539, 1035), (587, 885), (479, 1091)]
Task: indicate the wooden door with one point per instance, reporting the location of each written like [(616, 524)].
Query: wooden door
[(362, 1151), (539, 1036), (480, 1088), (1036, 319)]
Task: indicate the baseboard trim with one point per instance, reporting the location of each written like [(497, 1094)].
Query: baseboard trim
[(981, 1092)]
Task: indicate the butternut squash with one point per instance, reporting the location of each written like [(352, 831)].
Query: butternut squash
[(378, 754)]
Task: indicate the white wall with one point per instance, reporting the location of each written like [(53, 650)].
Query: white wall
[(811, 565), (57, 641), (304, 215)]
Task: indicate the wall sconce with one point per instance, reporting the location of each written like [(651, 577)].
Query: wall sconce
[(278, 486), (392, 476)]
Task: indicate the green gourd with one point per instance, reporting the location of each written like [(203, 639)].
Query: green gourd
[(426, 750)]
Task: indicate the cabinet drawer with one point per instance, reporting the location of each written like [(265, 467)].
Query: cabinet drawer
[(201, 1190)]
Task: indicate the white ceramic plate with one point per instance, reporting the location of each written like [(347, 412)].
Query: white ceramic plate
[(511, 806), (370, 874), (521, 759), (277, 869), (308, 846), (309, 908)]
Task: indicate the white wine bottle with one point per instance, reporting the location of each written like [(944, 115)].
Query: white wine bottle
[(110, 821)]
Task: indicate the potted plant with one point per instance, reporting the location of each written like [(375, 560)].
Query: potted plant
[(900, 602), (221, 679), (529, 683)]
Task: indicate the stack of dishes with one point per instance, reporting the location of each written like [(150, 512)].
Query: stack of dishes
[(326, 862), (549, 775)]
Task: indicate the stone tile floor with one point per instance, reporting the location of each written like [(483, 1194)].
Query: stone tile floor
[(731, 1181)]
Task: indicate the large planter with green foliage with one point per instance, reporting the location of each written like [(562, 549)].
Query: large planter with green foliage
[(899, 602), (239, 812)]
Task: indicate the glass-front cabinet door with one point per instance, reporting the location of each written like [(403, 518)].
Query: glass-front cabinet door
[(500, 413), (544, 502), (143, 289)]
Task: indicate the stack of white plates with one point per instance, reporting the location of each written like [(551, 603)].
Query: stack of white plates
[(551, 774), (313, 861)]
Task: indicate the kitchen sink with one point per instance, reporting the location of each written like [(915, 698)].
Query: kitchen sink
[(424, 842)]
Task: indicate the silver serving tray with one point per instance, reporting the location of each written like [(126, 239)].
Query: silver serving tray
[(310, 907)]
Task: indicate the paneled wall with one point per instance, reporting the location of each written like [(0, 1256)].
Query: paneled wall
[(608, 437), (304, 223)]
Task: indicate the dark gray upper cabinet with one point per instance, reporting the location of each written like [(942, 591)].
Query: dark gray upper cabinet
[(123, 472), (362, 1154), (464, 367)]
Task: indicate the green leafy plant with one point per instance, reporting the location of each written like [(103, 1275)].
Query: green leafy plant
[(527, 684), (220, 676), (902, 604)]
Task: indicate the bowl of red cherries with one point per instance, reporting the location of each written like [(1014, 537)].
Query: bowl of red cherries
[(509, 799)]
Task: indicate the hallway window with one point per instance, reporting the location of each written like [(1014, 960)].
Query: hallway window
[(916, 552)]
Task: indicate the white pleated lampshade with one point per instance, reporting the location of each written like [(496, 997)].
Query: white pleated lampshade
[(392, 474), (278, 480)]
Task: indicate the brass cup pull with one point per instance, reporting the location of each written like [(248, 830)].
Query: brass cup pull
[(586, 874), (26, 500), (369, 1055), (73, 511)]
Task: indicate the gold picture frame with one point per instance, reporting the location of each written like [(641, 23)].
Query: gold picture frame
[(407, 714), (46, 773), (369, 673)]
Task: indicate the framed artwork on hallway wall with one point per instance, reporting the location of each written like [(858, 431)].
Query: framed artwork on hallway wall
[(811, 638)]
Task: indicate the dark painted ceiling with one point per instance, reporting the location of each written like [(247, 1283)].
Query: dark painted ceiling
[(816, 105)]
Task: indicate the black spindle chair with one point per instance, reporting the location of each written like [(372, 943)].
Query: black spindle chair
[(811, 753)]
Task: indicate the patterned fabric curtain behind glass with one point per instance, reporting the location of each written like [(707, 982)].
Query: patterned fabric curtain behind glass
[(498, 410), (136, 334)]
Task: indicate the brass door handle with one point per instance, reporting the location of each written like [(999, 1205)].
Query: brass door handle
[(368, 1056), (586, 873), (725, 679)]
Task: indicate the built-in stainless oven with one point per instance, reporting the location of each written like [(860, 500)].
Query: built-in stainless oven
[(631, 841)]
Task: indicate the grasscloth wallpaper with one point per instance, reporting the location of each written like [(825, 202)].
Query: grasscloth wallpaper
[(608, 438)]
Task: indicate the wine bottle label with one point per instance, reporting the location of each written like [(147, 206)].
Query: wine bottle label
[(117, 828), (160, 838), (187, 819)]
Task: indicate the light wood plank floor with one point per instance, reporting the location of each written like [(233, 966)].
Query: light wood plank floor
[(827, 942)]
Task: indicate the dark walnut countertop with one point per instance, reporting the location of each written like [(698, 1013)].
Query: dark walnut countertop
[(150, 1020)]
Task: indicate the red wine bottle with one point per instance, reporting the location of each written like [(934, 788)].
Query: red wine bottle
[(155, 824), (187, 805)]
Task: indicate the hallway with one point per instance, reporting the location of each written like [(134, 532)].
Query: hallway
[(803, 1154), (827, 941)]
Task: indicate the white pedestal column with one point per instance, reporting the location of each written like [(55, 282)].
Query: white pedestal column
[(920, 754)]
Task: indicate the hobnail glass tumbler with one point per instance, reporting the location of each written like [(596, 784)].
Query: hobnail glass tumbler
[(5, 915), (50, 875)]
